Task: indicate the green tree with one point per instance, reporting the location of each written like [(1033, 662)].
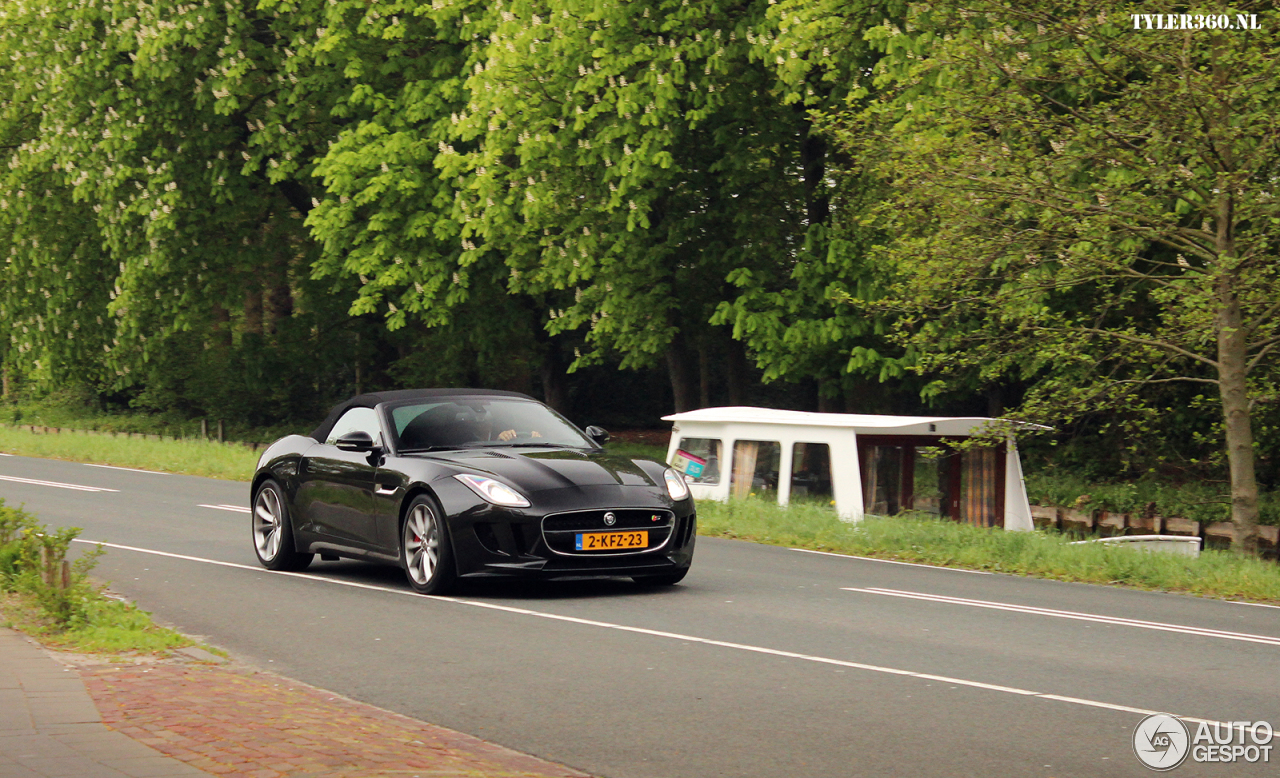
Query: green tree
[(793, 314), (624, 160), (1086, 206), (174, 146)]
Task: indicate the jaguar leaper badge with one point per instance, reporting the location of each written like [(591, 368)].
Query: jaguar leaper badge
[(610, 519)]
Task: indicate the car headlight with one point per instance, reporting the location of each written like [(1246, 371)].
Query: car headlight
[(676, 487), (493, 491)]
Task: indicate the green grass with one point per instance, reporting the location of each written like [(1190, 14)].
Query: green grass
[(951, 544), (107, 627), (636, 450), (190, 457), (72, 411)]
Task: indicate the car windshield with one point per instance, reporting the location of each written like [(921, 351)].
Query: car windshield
[(473, 422)]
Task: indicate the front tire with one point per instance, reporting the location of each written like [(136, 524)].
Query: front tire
[(425, 553), (273, 531)]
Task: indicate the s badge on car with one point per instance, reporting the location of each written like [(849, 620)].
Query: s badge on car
[(610, 519)]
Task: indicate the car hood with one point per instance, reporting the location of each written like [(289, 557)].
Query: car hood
[(536, 470)]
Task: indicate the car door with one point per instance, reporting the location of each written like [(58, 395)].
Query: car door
[(335, 490)]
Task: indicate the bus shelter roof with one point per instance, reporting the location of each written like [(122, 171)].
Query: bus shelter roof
[(864, 424)]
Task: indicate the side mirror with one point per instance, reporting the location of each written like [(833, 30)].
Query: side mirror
[(355, 441), (597, 434)]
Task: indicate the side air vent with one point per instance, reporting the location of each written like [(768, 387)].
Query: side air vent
[(487, 537)]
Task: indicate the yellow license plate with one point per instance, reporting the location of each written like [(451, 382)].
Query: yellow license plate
[(607, 541)]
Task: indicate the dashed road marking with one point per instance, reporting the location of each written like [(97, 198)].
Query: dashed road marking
[(894, 562), (235, 508), (1073, 615), (130, 469), (56, 484)]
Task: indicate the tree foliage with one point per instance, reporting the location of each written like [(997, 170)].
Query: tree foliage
[(1085, 207), (251, 208)]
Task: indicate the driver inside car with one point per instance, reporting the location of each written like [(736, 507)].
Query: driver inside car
[(509, 430)]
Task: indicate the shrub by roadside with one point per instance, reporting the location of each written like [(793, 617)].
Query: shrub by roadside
[(932, 541), (44, 594), (1197, 502)]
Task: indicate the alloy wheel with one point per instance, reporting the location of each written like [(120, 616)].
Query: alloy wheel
[(421, 545), (268, 517)]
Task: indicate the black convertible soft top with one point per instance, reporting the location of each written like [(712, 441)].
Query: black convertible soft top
[(370, 399)]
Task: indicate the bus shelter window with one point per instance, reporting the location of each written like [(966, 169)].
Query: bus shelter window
[(699, 460), (811, 473), (755, 468)]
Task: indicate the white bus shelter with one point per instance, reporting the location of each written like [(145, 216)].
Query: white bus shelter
[(860, 464)]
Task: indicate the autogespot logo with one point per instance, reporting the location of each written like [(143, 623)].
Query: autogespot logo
[(1162, 742)]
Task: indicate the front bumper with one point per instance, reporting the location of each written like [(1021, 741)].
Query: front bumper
[(537, 542)]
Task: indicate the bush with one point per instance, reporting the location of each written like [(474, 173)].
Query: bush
[(33, 560), (1207, 502)]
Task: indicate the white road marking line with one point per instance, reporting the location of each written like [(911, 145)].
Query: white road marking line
[(236, 508), (130, 469), (670, 635), (1254, 604), (56, 484), (894, 562), (179, 556), (1074, 615), (2, 454)]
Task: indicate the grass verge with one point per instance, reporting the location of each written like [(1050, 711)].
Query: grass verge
[(73, 410), (634, 450), (951, 544), (105, 626), (189, 457), (50, 597)]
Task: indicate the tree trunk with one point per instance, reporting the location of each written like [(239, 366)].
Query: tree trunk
[(813, 160), (277, 297), (4, 382), (1233, 387), (221, 326), (253, 311), (737, 373), (683, 389), (829, 399), (995, 400), (555, 390), (1234, 390), (355, 365), (704, 372)]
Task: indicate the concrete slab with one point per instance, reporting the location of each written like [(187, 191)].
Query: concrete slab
[(50, 727)]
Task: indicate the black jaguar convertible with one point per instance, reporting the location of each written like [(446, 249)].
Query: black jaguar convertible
[(450, 483)]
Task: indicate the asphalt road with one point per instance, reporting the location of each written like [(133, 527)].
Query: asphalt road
[(766, 662)]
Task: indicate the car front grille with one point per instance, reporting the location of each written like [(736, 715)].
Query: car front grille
[(560, 530)]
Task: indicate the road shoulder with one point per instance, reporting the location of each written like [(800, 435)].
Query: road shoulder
[(180, 716)]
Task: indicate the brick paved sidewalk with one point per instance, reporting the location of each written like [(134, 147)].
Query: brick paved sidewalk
[(233, 722)]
